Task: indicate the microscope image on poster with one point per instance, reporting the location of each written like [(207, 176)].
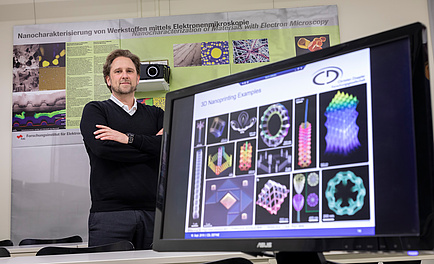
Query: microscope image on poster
[(246, 157), (274, 125), (343, 126), (220, 161), (272, 201), (243, 124), (305, 132), (229, 201), (197, 183), (217, 129), (345, 194), (274, 161), (199, 134), (305, 199)]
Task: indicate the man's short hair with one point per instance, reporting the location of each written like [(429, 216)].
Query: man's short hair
[(115, 54)]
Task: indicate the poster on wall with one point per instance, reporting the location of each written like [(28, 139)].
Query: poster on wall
[(57, 69)]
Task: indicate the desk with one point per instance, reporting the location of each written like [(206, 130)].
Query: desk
[(134, 257)]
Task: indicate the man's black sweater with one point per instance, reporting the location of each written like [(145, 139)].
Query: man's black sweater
[(122, 177)]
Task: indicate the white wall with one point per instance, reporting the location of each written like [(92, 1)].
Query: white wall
[(356, 18)]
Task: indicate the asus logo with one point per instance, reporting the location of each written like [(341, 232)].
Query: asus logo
[(264, 245)]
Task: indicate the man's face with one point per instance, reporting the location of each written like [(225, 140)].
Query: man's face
[(123, 77)]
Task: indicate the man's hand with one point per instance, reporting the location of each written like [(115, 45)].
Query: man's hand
[(106, 133), (160, 132)]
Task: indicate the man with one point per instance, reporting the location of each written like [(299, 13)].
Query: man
[(122, 139)]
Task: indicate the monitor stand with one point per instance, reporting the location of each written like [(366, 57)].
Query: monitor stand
[(301, 257)]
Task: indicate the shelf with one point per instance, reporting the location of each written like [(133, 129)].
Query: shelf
[(152, 85)]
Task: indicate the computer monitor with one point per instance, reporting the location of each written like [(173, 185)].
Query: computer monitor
[(331, 150)]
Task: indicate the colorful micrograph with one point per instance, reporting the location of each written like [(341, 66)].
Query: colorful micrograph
[(52, 55), (251, 51), (215, 53), (39, 110), (187, 54), (342, 130), (307, 44)]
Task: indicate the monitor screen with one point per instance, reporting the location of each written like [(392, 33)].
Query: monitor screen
[(326, 151)]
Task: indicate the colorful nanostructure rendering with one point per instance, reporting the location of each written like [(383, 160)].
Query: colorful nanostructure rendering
[(272, 196), (245, 156), (342, 130), (312, 199), (270, 139), (343, 178), (199, 127), (277, 160), (251, 51), (229, 202), (305, 141), (243, 123), (197, 184), (220, 161), (215, 53), (217, 127), (298, 199), (313, 179)]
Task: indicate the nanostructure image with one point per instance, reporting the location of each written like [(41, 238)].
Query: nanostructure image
[(312, 199), (251, 51), (313, 179), (25, 80), (38, 110), (26, 56), (245, 162), (25, 68), (197, 184), (200, 132), (274, 161), (336, 204), (274, 138), (220, 161), (272, 195), (342, 130), (229, 202), (307, 44), (311, 45), (52, 55), (159, 102), (217, 127), (52, 78), (215, 53), (298, 199), (187, 54), (305, 141), (243, 123)]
